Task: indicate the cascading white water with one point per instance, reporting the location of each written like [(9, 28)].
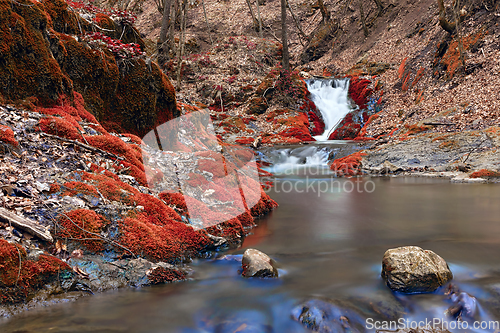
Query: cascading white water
[(330, 97)]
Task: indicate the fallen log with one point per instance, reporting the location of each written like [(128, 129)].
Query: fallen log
[(25, 224), (439, 124)]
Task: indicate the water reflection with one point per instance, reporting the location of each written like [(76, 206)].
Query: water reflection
[(331, 246)]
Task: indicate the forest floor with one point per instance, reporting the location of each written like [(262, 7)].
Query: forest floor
[(422, 87)]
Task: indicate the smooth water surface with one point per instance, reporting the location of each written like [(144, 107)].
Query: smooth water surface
[(329, 243)]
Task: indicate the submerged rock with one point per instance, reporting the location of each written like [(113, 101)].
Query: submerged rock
[(258, 264), (411, 269), (326, 317)]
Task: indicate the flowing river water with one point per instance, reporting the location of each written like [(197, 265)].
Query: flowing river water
[(328, 239)]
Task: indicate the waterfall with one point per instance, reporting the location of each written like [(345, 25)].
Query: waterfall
[(330, 97)]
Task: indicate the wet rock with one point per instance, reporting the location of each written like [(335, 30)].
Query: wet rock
[(258, 264), (411, 269), (385, 168), (102, 274), (464, 305), (327, 317)]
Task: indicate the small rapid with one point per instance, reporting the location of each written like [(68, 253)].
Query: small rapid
[(331, 99), (308, 159)]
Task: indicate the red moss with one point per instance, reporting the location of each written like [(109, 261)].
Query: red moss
[(419, 96), (246, 219), (359, 92), (133, 158), (214, 167), (195, 179), (232, 230), (278, 139), (244, 140), (264, 206), (54, 188), (347, 129), (59, 127), (451, 59), (28, 66), (110, 188), (7, 136), (401, 69), (296, 127), (19, 277), (171, 241), (298, 133), (162, 275), (138, 172), (157, 211), (485, 173), (135, 139), (79, 104), (75, 188), (83, 225), (406, 83), (247, 120), (415, 129), (100, 170), (418, 76), (349, 165), (318, 127), (174, 199)]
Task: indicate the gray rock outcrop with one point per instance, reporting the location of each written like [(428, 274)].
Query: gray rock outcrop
[(258, 264), (411, 269)]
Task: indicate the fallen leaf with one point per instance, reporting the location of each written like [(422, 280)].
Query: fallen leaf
[(81, 274)]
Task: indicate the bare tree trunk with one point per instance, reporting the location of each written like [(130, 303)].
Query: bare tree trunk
[(165, 21), (459, 37), (324, 12), (297, 24), (260, 21), (445, 24), (363, 22), (171, 27), (251, 12), (180, 49), (284, 37), (206, 20)]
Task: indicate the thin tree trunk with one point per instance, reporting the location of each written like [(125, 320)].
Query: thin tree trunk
[(180, 50), (251, 12), (297, 24), (171, 28), (459, 37), (260, 21), (206, 20), (363, 22), (284, 37), (445, 24), (165, 22)]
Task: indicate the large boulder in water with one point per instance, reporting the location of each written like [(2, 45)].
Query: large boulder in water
[(258, 264), (411, 269)]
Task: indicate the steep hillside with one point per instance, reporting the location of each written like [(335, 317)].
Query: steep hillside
[(404, 65)]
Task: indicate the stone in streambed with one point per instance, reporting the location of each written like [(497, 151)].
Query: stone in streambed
[(411, 269), (258, 264)]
